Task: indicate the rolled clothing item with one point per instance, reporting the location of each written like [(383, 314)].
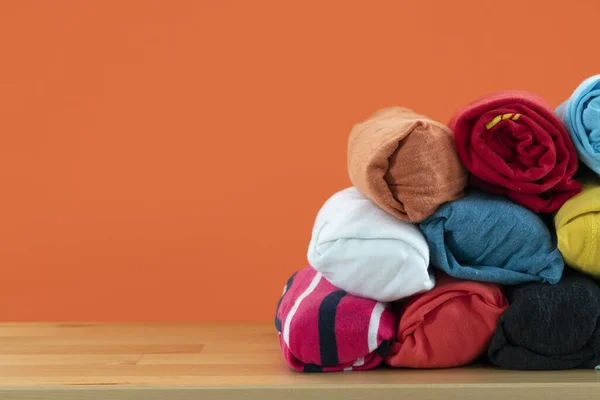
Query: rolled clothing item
[(367, 252), (449, 326), (580, 113), (323, 328), (550, 327), (577, 226), (488, 238), (513, 144), (405, 162)]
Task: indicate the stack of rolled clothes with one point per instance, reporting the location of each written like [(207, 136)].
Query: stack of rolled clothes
[(457, 243)]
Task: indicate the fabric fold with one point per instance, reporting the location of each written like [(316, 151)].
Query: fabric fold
[(405, 162), (488, 238), (513, 144), (577, 226), (449, 326), (550, 327), (367, 252), (580, 113), (324, 329)]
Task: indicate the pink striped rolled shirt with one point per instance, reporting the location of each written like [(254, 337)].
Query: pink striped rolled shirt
[(322, 328)]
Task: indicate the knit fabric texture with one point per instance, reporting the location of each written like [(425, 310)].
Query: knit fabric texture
[(488, 238), (578, 229), (405, 162), (323, 328), (581, 115), (550, 327), (513, 144), (449, 326), (367, 252)]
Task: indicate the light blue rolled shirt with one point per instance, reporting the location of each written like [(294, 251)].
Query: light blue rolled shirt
[(483, 237), (581, 116)]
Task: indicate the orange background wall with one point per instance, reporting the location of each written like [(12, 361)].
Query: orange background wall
[(164, 160)]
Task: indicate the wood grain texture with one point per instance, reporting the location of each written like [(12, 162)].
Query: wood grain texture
[(228, 360)]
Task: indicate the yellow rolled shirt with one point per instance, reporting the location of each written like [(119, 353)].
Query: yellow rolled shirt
[(578, 230)]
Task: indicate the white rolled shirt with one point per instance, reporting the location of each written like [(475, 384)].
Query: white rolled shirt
[(367, 252)]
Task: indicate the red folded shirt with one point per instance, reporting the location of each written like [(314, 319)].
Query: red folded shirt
[(513, 144), (449, 326)]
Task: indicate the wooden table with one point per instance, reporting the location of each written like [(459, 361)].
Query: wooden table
[(230, 361)]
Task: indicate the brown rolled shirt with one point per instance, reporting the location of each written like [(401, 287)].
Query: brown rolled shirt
[(405, 162)]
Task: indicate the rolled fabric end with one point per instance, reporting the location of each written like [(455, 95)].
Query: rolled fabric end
[(513, 144), (581, 116), (405, 162), (324, 329), (488, 238), (550, 327), (577, 226), (367, 252), (449, 326)]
